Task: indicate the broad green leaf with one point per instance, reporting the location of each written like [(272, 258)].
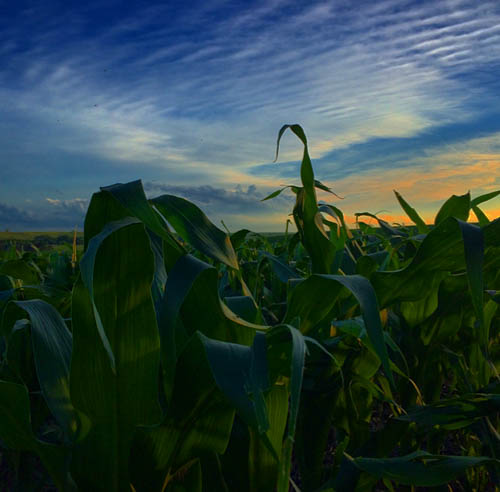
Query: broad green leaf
[(457, 206), (313, 299), (133, 199), (119, 271), (211, 469), (198, 421), (195, 228), (243, 307), (442, 250), (160, 276), (129, 201), (412, 214), (190, 295), (52, 344), (474, 259), (263, 465), (212, 380), (281, 269), (19, 352), (286, 357), (421, 468), (16, 432), (415, 312), (87, 269), (131, 196), (455, 413), (384, 225), (19, 269), (238, 237)]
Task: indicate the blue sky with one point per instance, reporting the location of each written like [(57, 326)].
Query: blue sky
[(190, 97)]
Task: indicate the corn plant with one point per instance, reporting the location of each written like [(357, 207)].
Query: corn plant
[(191, 359)]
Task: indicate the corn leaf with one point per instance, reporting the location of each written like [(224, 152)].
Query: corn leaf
[(412, 214), (484, 198), (480, 215), (442, 250), (421, 468), (457, 206), (16, 432), (118, 274), (455, 413), (133, 199), (195, 228), (191, 294), (313, 299), (52, 344), (306, 213)]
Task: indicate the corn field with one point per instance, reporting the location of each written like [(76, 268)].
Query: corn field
[(172, 356)]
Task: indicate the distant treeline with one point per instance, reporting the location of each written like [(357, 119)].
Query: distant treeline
[(43, 241)]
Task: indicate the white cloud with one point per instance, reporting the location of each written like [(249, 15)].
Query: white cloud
[(201, 96)]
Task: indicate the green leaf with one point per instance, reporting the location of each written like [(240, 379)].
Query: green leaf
[(313, 299), (484, 198), (286, 357), (238, 237), (263, 465), (412, 214), (195, 228), (455, 413), (19, 269), (244, 385), (198, 421), (306, 214), (281, 269), (212, 380), (442, 250), (133, 199), (190, 295), (274, 194), (457, 206), (16, 432), (128, 200), (243, 307), (87, 269), (52, 344), (474, 259), (384, 225), (481, 216), (420, 468), (321, 186), (119, 271)]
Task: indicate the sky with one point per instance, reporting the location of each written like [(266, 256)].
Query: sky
[(190, 96)]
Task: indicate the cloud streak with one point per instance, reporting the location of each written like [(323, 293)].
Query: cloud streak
[(197, 93)]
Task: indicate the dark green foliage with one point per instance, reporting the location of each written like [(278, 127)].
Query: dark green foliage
[(176, 357)]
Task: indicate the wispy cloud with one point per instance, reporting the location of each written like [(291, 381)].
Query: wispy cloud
[(198, 93), (55, 215)]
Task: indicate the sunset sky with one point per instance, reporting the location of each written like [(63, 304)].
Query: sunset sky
[(189, 97)]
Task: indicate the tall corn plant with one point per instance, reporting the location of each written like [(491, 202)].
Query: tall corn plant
[(166, 379), (145, 387), (424, 287)]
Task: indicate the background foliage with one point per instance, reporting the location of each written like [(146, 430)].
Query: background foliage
[(177, 357)]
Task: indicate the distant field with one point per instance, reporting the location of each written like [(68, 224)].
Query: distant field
[(43, 240), (30, 236)]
